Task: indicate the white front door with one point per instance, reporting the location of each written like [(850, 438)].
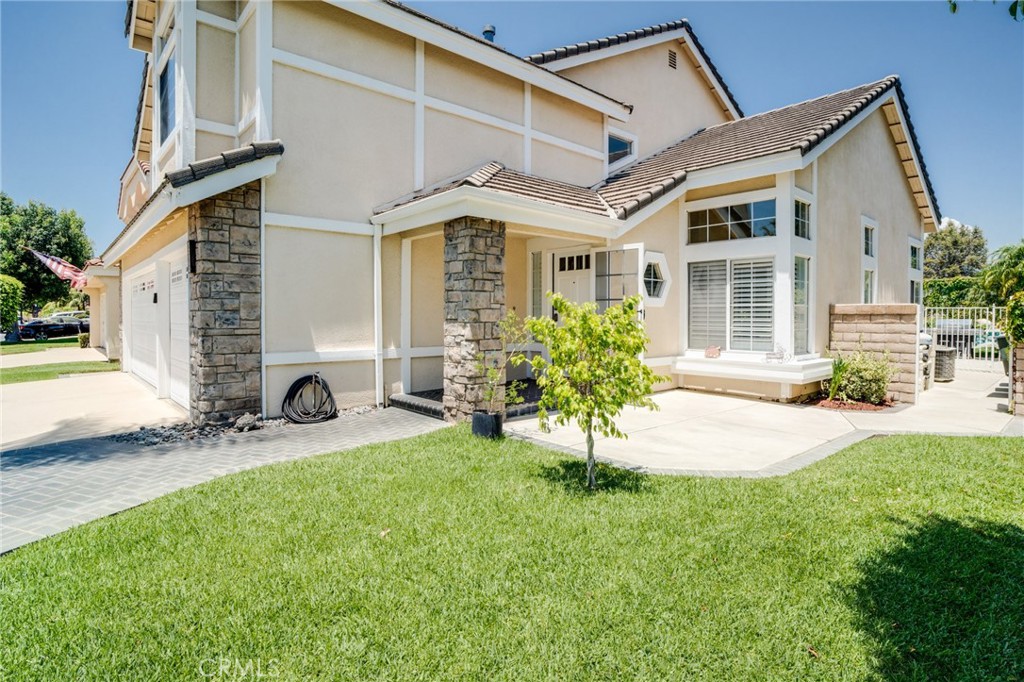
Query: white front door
[(572, 276), (178, 389), (143, 329)]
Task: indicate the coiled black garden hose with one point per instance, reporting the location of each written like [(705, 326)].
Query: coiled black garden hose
[(309, 401)]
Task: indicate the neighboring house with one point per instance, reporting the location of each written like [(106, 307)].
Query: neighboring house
[(361, 190)]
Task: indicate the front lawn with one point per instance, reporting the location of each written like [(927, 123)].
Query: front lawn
[(18, 375), (18, 347), (446, 557)]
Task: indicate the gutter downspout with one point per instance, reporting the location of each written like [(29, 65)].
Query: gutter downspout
[(378, 315)]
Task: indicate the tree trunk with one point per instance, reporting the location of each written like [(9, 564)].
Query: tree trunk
[(591, 464)]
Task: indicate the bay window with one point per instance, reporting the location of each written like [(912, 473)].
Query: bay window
[(707, 304), (738, 221), (801, 306), (753, 305)]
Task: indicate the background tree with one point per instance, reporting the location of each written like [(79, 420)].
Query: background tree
[(954, 250), (1004, 276), (595, 368), (10, 302), (37, 226), (1016, 8)]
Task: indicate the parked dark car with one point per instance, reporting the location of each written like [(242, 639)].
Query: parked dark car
[(52, 327)]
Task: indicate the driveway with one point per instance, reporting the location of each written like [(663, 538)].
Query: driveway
[(716, 435), (43, 412)]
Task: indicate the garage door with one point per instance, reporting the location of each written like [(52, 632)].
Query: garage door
[(143, 328), (179, 370)]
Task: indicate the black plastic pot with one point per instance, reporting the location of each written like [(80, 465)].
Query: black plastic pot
[(487, 424)]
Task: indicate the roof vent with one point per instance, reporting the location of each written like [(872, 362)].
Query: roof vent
[(489, 32), (672, 59)]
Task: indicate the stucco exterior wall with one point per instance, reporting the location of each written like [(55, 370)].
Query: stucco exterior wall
[(454, 144), (557, 163), (427, 314), (669, 104), (352, 383), (212, 144), (455, 79), (330, 35), (247, 44), (862, 175), (215, 81), (661, 233), (319, 290), (564, 118), (222, 8)]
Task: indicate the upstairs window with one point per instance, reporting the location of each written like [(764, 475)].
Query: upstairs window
[(802, 219), (915, 257), (739, 221), (619, 148), (166, 95), (869, 241)]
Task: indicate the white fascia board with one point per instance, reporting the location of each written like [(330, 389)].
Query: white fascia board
[(463, 46), (473, 201), (783, 162), (103, 271), (171, 199), (225, 180), (151, 216), (715, 82), (615, 50)]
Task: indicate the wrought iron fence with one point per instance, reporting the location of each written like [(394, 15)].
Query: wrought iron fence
[(977, 334)]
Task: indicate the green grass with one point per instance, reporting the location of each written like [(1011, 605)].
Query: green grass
[(18, 375), (445, 557), (35, 346)]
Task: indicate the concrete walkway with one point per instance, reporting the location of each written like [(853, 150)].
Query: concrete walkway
[(85, 406), (46, 490), (714, 435)]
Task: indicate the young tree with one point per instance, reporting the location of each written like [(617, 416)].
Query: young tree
[(595, 368), (40, 227), (954, 250), (10, 302)]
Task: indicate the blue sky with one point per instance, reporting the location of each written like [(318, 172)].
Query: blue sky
[(69, 84)]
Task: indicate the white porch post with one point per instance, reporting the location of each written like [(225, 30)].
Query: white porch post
[(784, 261)]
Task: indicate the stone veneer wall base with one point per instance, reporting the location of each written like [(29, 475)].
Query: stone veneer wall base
[(224, 308), (1017, 381)]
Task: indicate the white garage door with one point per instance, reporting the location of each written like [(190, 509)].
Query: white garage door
[(178, 299), (143, 328)]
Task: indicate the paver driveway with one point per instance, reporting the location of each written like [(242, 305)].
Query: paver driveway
[(45, 490)]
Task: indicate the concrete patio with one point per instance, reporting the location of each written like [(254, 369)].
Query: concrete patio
[(717, 435)]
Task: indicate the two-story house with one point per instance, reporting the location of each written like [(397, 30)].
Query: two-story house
[(358, 189)]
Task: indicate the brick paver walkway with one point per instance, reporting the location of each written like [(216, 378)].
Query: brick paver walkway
[(48, 489)]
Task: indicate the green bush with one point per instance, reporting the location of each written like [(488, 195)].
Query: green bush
[(861, 377), (11, 291), (952, 292), (83, 340), (1015, 318)]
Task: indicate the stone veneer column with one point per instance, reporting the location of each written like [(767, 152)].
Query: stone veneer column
[(474, 302), (877, 328), (224, 305)]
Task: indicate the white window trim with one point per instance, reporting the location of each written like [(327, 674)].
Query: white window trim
[(626, 160), (809, 304), (658, 258), (869, 262), (804, 198)]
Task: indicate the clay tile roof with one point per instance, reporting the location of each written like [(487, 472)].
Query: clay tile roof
[(588, 46), (198, 170), (494, 177), (797, 127)]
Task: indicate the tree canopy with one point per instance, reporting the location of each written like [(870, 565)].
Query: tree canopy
[(954, 250), (595, 368), (1004, 276), (37, 226)]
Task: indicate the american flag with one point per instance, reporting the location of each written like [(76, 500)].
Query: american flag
[(63, 269)]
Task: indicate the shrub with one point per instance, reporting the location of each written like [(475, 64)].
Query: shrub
[(860, 377), (1015, 318), (83, 340), (11, 291)]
